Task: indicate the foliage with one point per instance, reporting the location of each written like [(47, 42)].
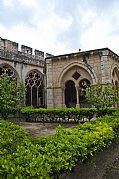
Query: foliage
[(46, 157), (51, 115), (11, 94), (10, 137), (112, 120), (61, 113), (102, 96)]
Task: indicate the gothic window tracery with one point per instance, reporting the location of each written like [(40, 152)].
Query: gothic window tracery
[(5, 70), (83, 84), (34, 89)]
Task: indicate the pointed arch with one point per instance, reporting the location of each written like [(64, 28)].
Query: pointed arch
[(34, 88), (115, 73), (79, 65), (8, 70)]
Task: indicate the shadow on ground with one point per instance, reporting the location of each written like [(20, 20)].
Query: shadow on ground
[(104, 166)]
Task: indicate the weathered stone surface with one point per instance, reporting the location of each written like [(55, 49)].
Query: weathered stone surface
[(100, 65)]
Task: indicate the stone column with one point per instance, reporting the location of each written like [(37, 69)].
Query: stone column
[(63, 97), (105, 67), (77, 97), (50, 99), (49, 86)]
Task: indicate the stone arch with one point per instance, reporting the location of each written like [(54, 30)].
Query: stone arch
[(8, 70), (79, 65), (115, 78), (34, 88), (76, 73), (115, 73)]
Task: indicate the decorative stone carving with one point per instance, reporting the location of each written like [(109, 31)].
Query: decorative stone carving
[(76, 75), (34, 86), (6, 70)]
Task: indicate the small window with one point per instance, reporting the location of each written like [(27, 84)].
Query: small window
[(76, 75)]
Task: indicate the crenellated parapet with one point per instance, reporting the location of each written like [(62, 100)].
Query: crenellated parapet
[(9, 51)]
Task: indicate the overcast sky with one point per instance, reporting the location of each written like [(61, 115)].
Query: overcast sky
[(61, 26)]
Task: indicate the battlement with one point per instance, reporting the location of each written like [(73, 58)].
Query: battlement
[(9, 50), (11, 46)]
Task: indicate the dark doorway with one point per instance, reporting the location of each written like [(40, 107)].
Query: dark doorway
[(70, 94)]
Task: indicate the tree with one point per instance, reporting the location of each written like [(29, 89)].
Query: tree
[(11, 94), (102, 96)]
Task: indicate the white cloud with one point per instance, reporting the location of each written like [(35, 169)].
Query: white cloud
[(41, 25), (29, 3), (43, 37), (99, 29), (44, 29), (96, 35), (8, 3), (87, 15)]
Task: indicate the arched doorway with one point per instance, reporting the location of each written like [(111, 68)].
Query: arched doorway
[(115, 75), (115, 80), (73, 83), (34, 89), (70, 94)]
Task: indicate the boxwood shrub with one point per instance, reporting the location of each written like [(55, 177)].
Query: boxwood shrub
[(64, 114), (46, 157)]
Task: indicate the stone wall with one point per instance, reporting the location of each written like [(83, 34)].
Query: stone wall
[(93, 65), (21, 62), (100, 65)]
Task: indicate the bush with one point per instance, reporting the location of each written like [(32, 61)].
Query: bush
[(62, 114), (10, 137), (57, 114), (11, 95), (46, 157), (102, 96)]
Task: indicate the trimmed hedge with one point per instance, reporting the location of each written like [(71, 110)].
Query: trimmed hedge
[(62, 114), (46, 157), (10, 137)]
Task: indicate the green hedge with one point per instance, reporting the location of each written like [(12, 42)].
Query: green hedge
[(59, 111), (10, 137), (64, 114), (46, 157)]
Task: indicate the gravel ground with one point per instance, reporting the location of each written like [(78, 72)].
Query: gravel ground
[(38, 129)]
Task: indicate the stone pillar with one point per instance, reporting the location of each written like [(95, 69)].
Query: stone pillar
[(77, 97), (49, 85), (105, 67), (50, 100), (58, 97), (63, 97)]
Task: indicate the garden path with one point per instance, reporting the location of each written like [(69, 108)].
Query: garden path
[(38, 129), (104, 166)]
